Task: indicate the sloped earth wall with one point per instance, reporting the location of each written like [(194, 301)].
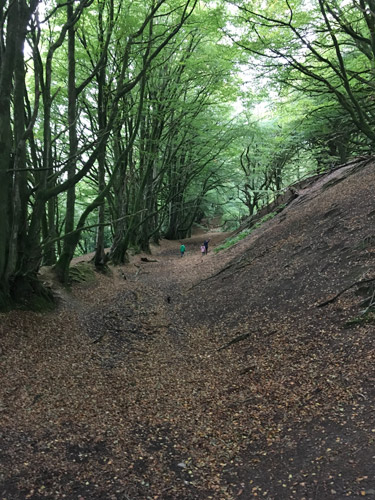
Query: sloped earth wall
[(306, 357)]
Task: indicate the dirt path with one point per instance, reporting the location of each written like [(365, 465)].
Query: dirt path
[(130, 409), (185, 430), (132, 389)]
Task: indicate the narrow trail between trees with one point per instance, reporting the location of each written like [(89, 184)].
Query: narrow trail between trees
[(247, 373), (133, 408)]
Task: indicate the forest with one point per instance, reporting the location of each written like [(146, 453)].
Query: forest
[(129, 370), (123, 122)]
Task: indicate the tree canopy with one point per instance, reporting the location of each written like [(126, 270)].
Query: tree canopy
[(122, 122)]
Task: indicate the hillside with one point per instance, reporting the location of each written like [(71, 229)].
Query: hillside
[(247, 373)]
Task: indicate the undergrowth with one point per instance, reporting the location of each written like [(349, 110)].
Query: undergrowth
[(240, 236)]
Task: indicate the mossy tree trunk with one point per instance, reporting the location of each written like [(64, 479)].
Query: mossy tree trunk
[(13, 185)]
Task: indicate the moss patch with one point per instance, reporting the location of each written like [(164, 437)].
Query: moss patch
[(28, 293), (82, 272)]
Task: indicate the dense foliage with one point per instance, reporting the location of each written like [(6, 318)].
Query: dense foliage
[(122, 122)]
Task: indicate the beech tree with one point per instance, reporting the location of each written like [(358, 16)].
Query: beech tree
[(172, 143), (116, 125), (323, 48), (14, 18), (21, 257)]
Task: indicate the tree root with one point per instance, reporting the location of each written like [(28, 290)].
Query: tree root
[(234, 341), (332, 299)]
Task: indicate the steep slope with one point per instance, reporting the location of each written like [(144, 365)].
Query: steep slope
[(321, 243), (290, 307)]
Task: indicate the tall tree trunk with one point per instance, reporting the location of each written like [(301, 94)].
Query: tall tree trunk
[(13, 186), (6, 143), (62, 266), (100, 258), (19, 174)]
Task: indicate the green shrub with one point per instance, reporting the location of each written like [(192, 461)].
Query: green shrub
[(232, 241)]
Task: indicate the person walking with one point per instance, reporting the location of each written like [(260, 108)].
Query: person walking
[(182, 249), (205, 243), (203, 250)]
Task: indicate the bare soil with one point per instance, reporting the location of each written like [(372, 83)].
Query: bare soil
[(247, 373)]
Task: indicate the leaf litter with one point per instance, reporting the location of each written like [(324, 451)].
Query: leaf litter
[(135, 389)]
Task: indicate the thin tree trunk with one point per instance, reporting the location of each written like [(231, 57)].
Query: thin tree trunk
[(62, 266), (99, 258)]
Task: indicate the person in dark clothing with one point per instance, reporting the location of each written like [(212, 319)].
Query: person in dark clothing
[(205, 243)]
